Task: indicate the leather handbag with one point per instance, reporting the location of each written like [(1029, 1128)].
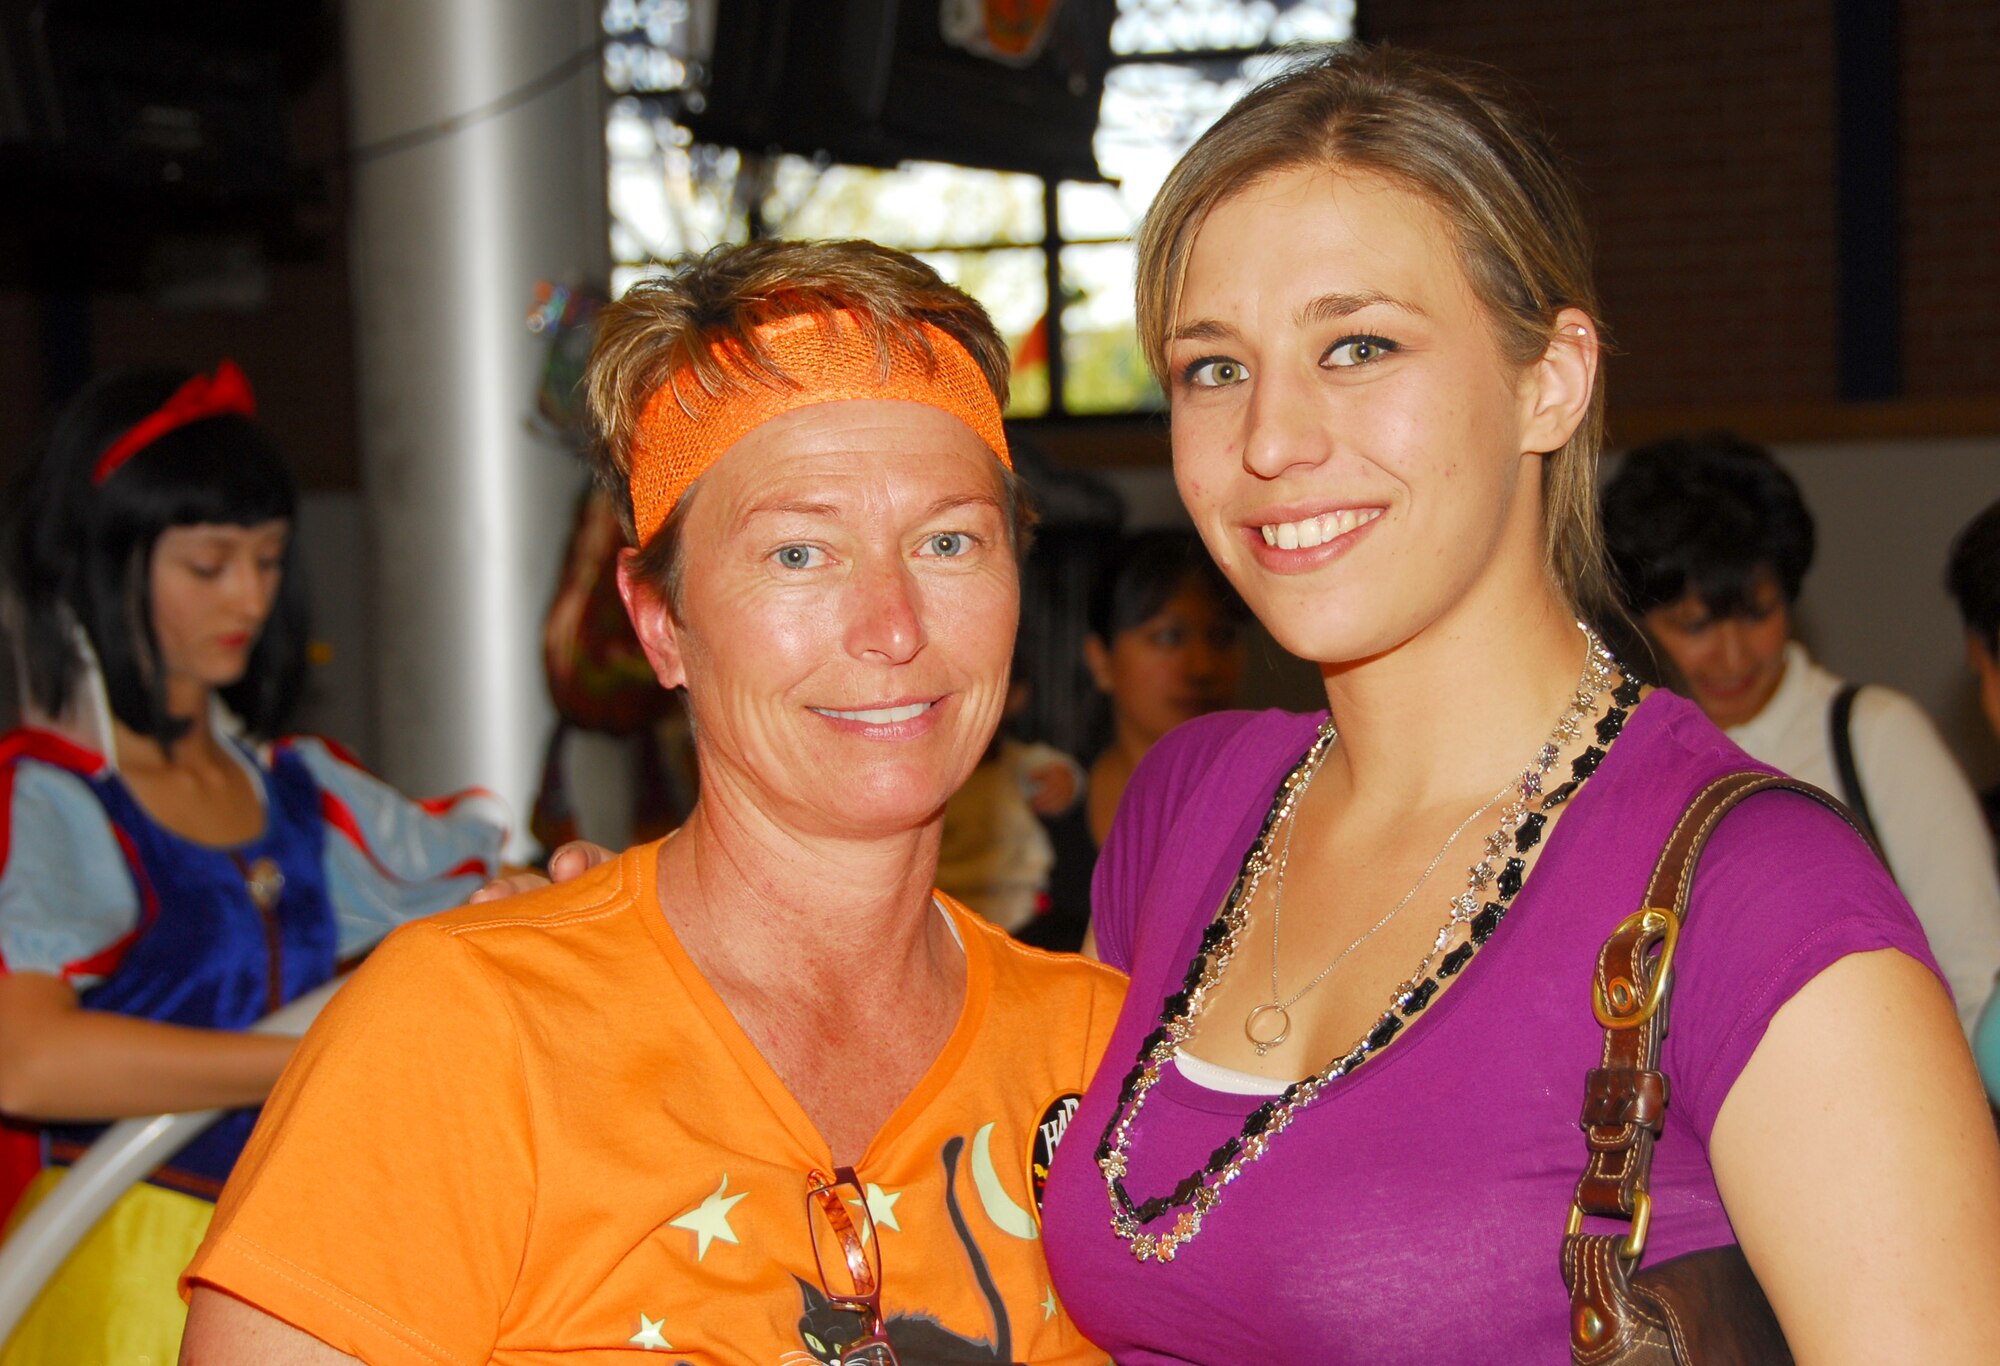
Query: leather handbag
[(1705, 1308)]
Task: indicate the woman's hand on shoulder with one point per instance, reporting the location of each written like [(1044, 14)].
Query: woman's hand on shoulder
[(569, 861), (1856, 1156)]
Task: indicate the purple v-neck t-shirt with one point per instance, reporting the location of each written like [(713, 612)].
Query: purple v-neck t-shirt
[(1415, 1212)]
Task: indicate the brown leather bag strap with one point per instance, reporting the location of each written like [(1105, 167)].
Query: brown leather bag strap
[(1625, 1097)]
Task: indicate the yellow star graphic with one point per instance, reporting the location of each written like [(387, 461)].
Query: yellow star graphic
[(649, 1337), (881, 1209), (710, 1219), (1049, 1305)]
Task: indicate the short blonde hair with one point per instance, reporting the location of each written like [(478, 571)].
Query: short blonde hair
[(1455, 137), (716, 301)]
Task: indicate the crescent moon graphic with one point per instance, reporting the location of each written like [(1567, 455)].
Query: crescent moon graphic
[(1009, 1217)]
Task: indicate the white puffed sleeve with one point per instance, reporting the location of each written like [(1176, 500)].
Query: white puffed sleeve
[(390, 858), (67, 900)]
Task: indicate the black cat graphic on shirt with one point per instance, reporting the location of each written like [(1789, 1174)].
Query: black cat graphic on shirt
[(918, 1339)]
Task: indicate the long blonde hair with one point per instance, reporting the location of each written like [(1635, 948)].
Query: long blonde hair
[(1453, 136)]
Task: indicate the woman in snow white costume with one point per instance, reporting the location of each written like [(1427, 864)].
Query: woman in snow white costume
[(165, 879)]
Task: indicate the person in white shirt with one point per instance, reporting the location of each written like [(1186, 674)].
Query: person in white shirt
[(1711, 542)]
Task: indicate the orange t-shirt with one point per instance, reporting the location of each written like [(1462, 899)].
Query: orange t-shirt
[(530, 1132)]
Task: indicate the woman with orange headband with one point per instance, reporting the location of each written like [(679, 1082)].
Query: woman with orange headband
[(754, 1093), (166, 880)]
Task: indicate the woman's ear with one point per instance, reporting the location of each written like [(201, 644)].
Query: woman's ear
[(1560, 384), (1097, 659), (652, 620)]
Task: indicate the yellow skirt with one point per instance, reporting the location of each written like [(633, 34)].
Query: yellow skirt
[(114, 1302)]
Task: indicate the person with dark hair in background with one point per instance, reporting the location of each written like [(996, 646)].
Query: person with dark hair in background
[(167, 878), (1972, 576), (1165, 646), (1710, 541)]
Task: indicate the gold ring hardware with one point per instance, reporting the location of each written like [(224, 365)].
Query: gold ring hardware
[(1642, 1224), (1634, 1245), (1654, 923)]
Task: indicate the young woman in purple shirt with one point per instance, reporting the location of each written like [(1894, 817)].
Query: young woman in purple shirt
[(1338, 1121)]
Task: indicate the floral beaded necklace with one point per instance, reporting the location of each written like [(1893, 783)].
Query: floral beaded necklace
[(1497, 876)]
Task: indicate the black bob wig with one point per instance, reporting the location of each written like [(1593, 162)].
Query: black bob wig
[(82, 553)]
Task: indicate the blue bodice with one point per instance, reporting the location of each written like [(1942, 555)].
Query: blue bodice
[(205, 952)]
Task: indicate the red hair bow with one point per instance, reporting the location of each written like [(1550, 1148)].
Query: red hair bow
[(217, 395)]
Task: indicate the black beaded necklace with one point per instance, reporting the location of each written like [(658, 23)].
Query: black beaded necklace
[(1197, 1193)]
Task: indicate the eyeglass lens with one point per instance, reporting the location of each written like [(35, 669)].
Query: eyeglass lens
[(849, 1259)]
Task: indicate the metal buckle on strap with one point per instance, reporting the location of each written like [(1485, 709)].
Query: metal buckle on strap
[(1617, 1003), (1634, 1245)]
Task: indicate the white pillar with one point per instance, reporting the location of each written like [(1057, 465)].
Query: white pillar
[(479, 172)]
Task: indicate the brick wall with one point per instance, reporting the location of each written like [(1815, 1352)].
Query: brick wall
[(1704, 134)]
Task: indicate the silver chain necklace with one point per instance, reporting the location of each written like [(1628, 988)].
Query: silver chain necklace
[(1496, 878), (1281, 1006), (1269, 1023)]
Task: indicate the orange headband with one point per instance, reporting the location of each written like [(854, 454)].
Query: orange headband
[(685, 429)]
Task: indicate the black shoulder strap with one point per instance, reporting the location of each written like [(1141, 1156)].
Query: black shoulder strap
[(1839, 724)]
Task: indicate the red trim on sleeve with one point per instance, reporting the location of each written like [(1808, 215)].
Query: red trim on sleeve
[(333, 747), (46, 747), (340, 816), (435, 806), (445, 805), (50, 748), (106, 960)]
